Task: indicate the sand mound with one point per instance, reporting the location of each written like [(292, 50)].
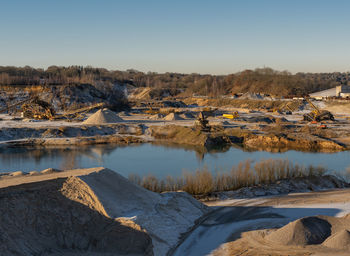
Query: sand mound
[(63, 216), (165, 216), (173, 117), (103, 116), (340, 240), (94, 213), (49, 170), (305, 231), (156, 117), (18, 173)]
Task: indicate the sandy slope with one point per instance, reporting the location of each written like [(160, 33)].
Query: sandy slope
[(90, 212), (239, 227)]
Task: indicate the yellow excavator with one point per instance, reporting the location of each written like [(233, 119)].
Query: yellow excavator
[(317, 115), (38, 109)]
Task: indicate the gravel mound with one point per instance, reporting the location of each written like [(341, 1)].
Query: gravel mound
[(305, 231), (340, 240), (156, 117), (173, 117), (103, 116)]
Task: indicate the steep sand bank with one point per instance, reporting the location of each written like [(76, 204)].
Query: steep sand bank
[(89, 212)]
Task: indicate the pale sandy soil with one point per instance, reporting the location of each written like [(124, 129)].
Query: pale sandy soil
[(89, 212), (240, 227)]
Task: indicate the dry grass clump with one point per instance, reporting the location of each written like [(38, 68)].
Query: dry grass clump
[(245, 174)]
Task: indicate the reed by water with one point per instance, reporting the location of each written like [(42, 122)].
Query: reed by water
[(245, 174)]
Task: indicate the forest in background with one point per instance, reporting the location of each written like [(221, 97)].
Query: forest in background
[(261, 80)]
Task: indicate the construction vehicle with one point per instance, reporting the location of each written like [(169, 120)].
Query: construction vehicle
[(202, 122), (37, 109), (32, 107), (317, 115), (234, 115), (208, 111)]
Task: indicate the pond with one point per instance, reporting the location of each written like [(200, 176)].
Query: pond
[(159, 160)]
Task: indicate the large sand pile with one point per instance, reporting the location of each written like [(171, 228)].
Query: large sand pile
[(165, 216), (64, 216), (305, 231), (103, 116), (340, 240), (173, 117), (94, 212), (316, 235)]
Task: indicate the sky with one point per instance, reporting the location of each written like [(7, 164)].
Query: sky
[(186, 36)]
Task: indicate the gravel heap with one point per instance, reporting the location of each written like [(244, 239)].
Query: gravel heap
[(172, 117), (103, 116)]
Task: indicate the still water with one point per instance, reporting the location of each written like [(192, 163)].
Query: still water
[(159, 160)]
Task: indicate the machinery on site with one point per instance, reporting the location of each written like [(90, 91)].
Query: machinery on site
[(79, 113), (317, 115), (202, 122), (36, 108), (31, 107), (234, 115)]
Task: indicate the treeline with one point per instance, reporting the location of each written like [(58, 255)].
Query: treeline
[(263, 80)]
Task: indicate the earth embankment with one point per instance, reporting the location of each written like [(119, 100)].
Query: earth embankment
[(89, 212)]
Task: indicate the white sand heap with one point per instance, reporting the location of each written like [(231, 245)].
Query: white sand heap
[(103, 116), (304, 231), (172, 117)]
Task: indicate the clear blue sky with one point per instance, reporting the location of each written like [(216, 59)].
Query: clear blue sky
[(218, 37)]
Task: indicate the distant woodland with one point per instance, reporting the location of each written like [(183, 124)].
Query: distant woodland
[(262, 80)]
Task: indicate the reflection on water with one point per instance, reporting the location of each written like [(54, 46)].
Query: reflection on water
[(157, 159)]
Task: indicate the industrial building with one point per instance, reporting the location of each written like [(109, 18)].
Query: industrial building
[(342, 91)]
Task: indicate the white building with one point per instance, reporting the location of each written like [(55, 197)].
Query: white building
[(339, 91)]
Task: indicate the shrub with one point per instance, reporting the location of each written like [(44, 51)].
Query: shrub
[(203, 182)]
